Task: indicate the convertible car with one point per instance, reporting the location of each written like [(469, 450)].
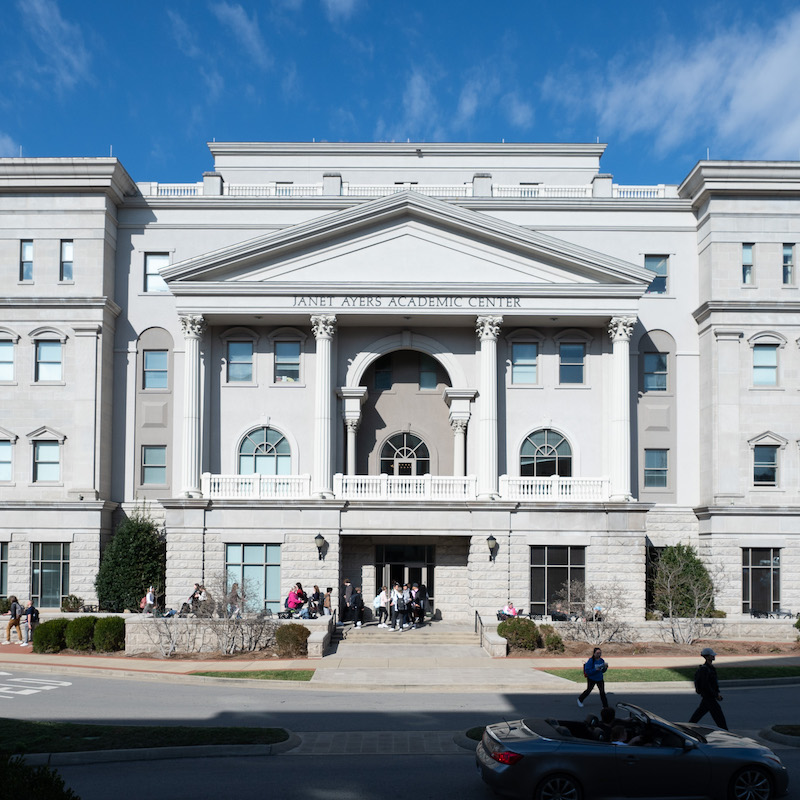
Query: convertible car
[(550, 759)]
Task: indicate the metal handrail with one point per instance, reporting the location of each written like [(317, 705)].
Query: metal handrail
[(479, 626)]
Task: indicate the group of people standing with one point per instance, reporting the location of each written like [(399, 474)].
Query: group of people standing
[(402, 608), (29, 615)]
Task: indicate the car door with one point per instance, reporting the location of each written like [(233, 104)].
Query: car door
[(662, 771)]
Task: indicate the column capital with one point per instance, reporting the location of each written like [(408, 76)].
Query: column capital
[(458, 424), (192, 325), (488, 328), (323, 326), (621, 328), (352, 424)]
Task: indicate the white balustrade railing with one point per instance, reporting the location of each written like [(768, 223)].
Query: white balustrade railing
[(541, 190), (256, 487), (272, 190), (638, 192), (413, 487), (176, 189), (554, 489)]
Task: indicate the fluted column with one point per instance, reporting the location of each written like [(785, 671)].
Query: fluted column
[(193, 328), (459, 427), (488, 329), (323, 327), (352, 430), (620, 330)]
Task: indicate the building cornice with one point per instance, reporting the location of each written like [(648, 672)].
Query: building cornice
[(71, 303), (706, 512), (739, 307), (743, 178)]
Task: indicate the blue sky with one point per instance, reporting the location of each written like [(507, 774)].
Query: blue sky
[(157, 79)]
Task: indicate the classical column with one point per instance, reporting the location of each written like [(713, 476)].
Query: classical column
[(620, 330), (352, 430), (459, 427), (193, 328), (488, 329), (323, 328)]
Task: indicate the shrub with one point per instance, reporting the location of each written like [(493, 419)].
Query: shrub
[(71, 603), (5, 604), (109, 634), (134, 559), (520, 633), (717, 613), (80, 633), (50, 637), (291, 640), (553, 642), (18, 779)]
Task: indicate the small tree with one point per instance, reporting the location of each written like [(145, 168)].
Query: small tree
[(597, 613), (134, 559), (683, 591)]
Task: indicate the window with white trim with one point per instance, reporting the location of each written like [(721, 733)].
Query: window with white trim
[(659, 265), (287, 361), (765, 365), (428, 372), (747, 264), (524, 363), (765, 465), (761, 579), (6, 464), (240, 362), (788, 265), (65, 272), (257, 570), (545, 453), (155, 372), (46, 462), (6, 360), (154, 465), (265, 451), (48, 361), (655, 469), (558, 576), (655, 372), (49, 573), (26, 260), (153, 263), (572, 356)]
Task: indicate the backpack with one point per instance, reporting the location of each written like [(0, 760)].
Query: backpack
[(286, 602), (35, 615), (143, 602)]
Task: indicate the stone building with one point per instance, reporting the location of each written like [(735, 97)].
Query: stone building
[(483, 367)]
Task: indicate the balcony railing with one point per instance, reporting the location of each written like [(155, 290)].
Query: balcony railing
[(434, 488), (541, 190)]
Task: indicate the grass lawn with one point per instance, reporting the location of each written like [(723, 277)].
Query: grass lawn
[(18, 736), (655, 674), (263, 674)]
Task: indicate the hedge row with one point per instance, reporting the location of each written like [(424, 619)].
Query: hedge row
[(105, 635)]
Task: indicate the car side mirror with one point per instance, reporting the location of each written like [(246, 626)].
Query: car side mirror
[(688, 744)]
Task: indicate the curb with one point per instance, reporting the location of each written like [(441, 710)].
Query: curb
[(462, 740), (161, 753), (779, 738)]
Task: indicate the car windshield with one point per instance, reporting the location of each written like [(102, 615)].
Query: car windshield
[(648, 716)]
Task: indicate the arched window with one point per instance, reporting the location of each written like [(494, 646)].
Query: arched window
[(264, 451), (544, 453), (405, 454)]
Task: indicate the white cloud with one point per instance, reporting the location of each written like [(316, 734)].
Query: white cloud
[(245, 30), (518, 112), (339, 10), (184, 36), (8, 147), (421, 115), (64, 57)]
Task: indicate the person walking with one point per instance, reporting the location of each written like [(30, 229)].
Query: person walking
[(707, 686), (383, 607), (150, 600), (15, 610), (347, 593), (326, 603), (31, 615), (398, 604), (357, 606), (594, 670)]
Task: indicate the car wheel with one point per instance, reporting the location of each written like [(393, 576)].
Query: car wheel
[(558, 787), (751, 783)]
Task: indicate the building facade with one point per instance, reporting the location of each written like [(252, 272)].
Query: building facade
[(482, 367)]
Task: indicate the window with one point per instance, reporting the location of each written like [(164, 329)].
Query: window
[(48, 361), (66, 260), (788, 264), (571, 357), (761, 579), (383, 373), (154, 465), (257, 570), (3, 569), (287, 362), (428, 372), (558, 576), (153, 262), (545, 453), (765, 365), (6, 469), (26, 261), (264, 451), (240, 362), (46, 462), (49, 573), (6, 360), (747, 264), (523, 362), (657, 265), (156, 365), (765, 465), (655, 372), (655, 469), (405, 454)]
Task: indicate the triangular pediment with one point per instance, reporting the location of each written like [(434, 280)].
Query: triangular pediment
[(405, 238)]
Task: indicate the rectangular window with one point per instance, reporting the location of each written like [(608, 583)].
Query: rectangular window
[(66, 260), (383, 374), (761, 579), (154, 465), (657, 265), (558, 576), (428, 374), (287, 362), (655, 469), (571, 363), (788, 264), (6, 361), (46, 462), (765, 465), (765, 365), (48, 361), (3, 569), (153, 262), (49, 573), (240, 362), (257, 570), (523, 362), (747, 264), (655, 372), (156, 365), (6, 472), (26, 260)]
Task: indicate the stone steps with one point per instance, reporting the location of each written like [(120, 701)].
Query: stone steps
[(426, 635)]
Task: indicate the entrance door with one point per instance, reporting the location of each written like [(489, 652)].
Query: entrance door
[(405, 563), (406, 573)]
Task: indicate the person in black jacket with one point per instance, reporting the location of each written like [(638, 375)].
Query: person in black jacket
[(357, 606), (707, 686)]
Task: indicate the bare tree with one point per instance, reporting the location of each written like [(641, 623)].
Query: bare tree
[(596, 613)]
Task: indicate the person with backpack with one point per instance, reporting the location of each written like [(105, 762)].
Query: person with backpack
[(594, 670), (357, 606), (31, 615), (15, 610), (707, 686)]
